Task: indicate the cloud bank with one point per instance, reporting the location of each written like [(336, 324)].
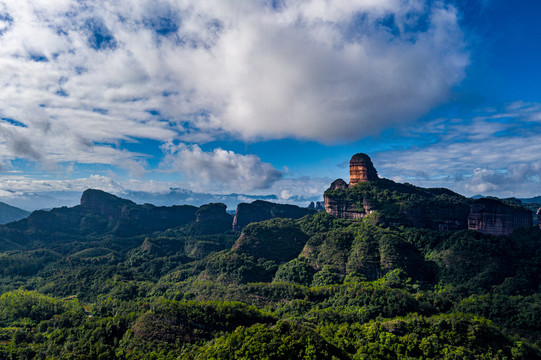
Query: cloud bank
[(493, 153), (224, 169), (79, 79)]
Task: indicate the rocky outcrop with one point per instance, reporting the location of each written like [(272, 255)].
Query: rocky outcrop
[(407, 205), (338, 184), (318, 206), (361, 169), (211, 219), (440, 216), (260, 210), (493, 216), (105, 204), (127, 218), (343, 208)]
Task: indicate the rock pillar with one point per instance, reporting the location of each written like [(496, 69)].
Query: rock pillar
[(361, 169)]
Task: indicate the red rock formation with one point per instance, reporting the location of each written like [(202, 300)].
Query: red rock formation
[(361, 169), (345, 209), (492, 216), (338, 184), (437, 209)]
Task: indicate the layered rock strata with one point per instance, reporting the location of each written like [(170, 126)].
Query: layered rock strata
[(407, 205), (492, 216), (361, 169), (343, 208)]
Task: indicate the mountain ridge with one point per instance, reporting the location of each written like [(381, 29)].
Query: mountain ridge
[(10, 213)]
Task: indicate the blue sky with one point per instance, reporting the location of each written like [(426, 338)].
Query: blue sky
[(268, 97)]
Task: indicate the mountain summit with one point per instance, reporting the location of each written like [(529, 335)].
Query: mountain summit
[(397, 204)]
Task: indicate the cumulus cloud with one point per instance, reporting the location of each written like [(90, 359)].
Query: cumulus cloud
[(494, 153), (226, 169), (84, 77)]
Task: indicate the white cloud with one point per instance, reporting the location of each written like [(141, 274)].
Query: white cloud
[(83, 77), (32, 193), (225, 169), (494, 154)]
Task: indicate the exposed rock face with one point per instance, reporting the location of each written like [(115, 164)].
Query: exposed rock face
[(492, 216), (133, 218), (407, 205), (338, 184), (318, 206), (345, 209), (440, 217), (260, 210), (361, 169), (212, 219), (539, 217), (105, 204)]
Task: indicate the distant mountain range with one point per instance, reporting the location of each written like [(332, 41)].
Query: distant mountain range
[(10, 213), (31, 201), (536, 199), (175, 196)]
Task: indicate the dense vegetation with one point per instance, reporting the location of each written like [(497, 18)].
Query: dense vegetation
[(313, 288)]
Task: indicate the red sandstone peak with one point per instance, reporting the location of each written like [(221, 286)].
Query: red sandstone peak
[(361, 169)]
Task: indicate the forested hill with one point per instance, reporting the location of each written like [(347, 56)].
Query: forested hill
[(10, 213), (116, 280)]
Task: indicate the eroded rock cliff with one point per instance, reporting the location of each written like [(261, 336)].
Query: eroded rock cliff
[(212, 219), (396, 204), (127, 218), (361, 169), (260, 210), (493, 216), (105, 204), (343, 208)]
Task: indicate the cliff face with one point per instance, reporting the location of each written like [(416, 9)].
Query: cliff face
[(492, 216), (126, 218), (260, 210), (407, 205), (212, 219), (361, 169), (338, 184), (343, 208), (105, 204), (438, 216), (399, 204)]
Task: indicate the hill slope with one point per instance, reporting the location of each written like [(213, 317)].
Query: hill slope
[(10, 213)]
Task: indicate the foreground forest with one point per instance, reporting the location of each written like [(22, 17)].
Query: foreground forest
[(77, 285)]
